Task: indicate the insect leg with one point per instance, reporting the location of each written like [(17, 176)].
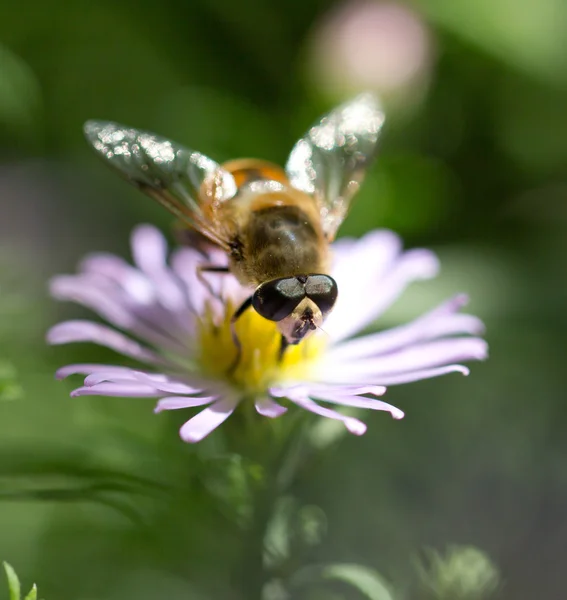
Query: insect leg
[(243, 307), (213, 269), (283, 345), (210, 269)]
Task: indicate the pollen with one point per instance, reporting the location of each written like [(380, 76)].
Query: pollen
[(260, 364)]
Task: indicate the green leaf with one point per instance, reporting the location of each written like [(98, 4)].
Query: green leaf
[(10, 389), (13, 582), (14, 585), (20, 97), (32, 593), (365, 580)]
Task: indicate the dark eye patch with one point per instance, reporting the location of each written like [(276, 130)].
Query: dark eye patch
[(322, 289), (277, 299)]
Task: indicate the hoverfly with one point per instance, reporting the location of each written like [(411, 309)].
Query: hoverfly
[(274, 224)]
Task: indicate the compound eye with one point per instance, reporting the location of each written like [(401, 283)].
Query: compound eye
[(275, 300), (322, 289)]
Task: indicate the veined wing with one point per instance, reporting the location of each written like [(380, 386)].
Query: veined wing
[(330, 161), (189, 184)]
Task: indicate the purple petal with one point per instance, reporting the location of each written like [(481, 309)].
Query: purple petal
[(149, 322), (441, 321), (267, 407), (364, 298), (413, 358), (399, 378), (157, 381), (353, 425), (149, 248), (378, 251), (117, 270), (232, 290), (347, 395), (223, 286), (155, 284), (87, 331), (178, 402), (111, 376), (88, 369), (91, 292), (423, 374), (170, 292), (166, 384), (207, 420), (358, 402), (383, 246), (121, 389), (353, 390), (184, 263)]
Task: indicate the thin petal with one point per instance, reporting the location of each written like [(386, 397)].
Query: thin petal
[(207, 420), (149, 248), (353, 390), (166, 384), (91, 292), (399, 378), (117, 270), (184, 263), (149, 322), (347, 395), (413, 358), (220, 285), (121, 389), (157, 381), (178, 402), (88, 331), (362, 300), (88, 369), (110, 376), (423, 374), (358, 402), (441, 321), (268, 407), (382, 247), (353, 425), (170, 291)]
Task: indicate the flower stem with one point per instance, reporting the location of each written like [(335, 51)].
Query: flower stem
[(252, 576), (275, 450)]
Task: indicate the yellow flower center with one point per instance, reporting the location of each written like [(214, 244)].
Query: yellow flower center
[(260, 364)]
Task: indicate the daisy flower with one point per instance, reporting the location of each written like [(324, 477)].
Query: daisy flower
[(165, 318)]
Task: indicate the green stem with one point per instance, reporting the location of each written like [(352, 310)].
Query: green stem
[(277, 455), (253, 576)]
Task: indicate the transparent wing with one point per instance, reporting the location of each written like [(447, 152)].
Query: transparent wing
[(330, 161), (180, 179)]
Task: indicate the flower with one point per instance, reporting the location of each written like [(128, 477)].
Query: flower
[(369, 45), (180, 328)]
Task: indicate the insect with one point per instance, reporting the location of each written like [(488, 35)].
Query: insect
[(274, 224)]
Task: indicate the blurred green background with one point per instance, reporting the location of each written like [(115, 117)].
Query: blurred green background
[(99, 499)]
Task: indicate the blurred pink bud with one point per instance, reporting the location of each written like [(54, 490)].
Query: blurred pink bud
[(362, 44)]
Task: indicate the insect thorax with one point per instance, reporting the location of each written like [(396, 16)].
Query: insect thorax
[(279, 241)]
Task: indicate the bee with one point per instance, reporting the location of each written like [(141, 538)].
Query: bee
[(274, 224)]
